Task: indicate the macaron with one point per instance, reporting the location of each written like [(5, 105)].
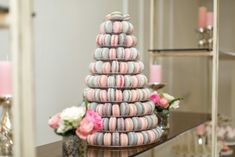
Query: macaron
[(126, 95), (119, 95), (108, 26), (107, 139), (103, 79), (132, 139), (149, 122), (115, 139), (90, 139), (98, 54), (111, 81), (105, 52), (95, 138), (151, 136), (97, 95), (92, 106), (115, 66), (140, 138), (106, 68), (123, 139), (106, 42), (139, 108), (115, 110), (108, 109), (101, 29), (120, 52), (145, 135), (134, 52), (133, 110), (103, 96), (128, 124), (112, 54), (136, 123), (131, 67), (121, 39), (123, 109), (117, 27), (100, 139), (106, 124), (125, 26), (114, 40), (99, 109), (98, 66), (120, 124), (112, 124), (120, 81), (111, 95), (127, 80)]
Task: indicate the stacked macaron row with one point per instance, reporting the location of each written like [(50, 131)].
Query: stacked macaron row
[(116, 81), (123, 109), (119, 53), (116, 40), (116, 95), (116, 67), (125, 139), (116, 27), (114, 124)]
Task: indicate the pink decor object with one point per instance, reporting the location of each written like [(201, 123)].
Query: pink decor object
[(5, 78), (210, 17), (202, 17), (155, 73), (201, 130)]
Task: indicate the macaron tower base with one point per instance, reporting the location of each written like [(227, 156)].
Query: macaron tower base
[(117, 88)]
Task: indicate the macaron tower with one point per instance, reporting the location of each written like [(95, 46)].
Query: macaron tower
[(116, 88)]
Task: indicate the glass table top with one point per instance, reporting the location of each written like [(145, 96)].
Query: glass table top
[(180, 122)]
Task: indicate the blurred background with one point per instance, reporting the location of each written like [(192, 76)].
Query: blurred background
[(65, 33)]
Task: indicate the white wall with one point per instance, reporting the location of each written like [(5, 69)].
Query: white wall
[(65, 33)]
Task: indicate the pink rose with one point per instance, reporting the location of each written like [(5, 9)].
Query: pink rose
[(96, 119), (86, 128), (164, 103), (201, 129), (54, 121), (155, 98)]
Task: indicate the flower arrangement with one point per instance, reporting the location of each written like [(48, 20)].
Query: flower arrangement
[(164, 102), (76, 120)]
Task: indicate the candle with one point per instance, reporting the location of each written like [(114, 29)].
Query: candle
[(202, 17), (5, 78), (155, 73), (210, 19)]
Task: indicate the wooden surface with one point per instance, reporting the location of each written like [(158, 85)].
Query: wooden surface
[(179, 123)]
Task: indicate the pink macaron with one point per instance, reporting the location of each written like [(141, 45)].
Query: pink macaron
[(99, 109), (123, 67), (114, 40), (137, 67), (107, 139), (118, 94), (123, 139), (140, 138), (103, 81), (134, 81), (134, 95), (129, 124), (112, 124), (106, 67), (120, 81), (103, 96), (127, 54), (151, 136), (133, 110), (116, 110), (90, 94), (144, 123), (112, 54), (117, 27), (129, 41), (90, 139)]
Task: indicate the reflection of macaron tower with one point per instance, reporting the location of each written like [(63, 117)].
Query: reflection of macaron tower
[(116, 88)]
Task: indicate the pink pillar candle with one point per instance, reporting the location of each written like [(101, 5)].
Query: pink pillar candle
[(202, 17), (210, 19), (155, 73), (5, 79)]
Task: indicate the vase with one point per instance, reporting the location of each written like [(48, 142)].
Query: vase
[(73, 146), (164, 122)]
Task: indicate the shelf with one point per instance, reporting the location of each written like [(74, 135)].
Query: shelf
[(184, 52), (180, 122)]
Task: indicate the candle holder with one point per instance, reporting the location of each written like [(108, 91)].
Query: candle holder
[(156, 85), (6, 140), (205, 37)]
